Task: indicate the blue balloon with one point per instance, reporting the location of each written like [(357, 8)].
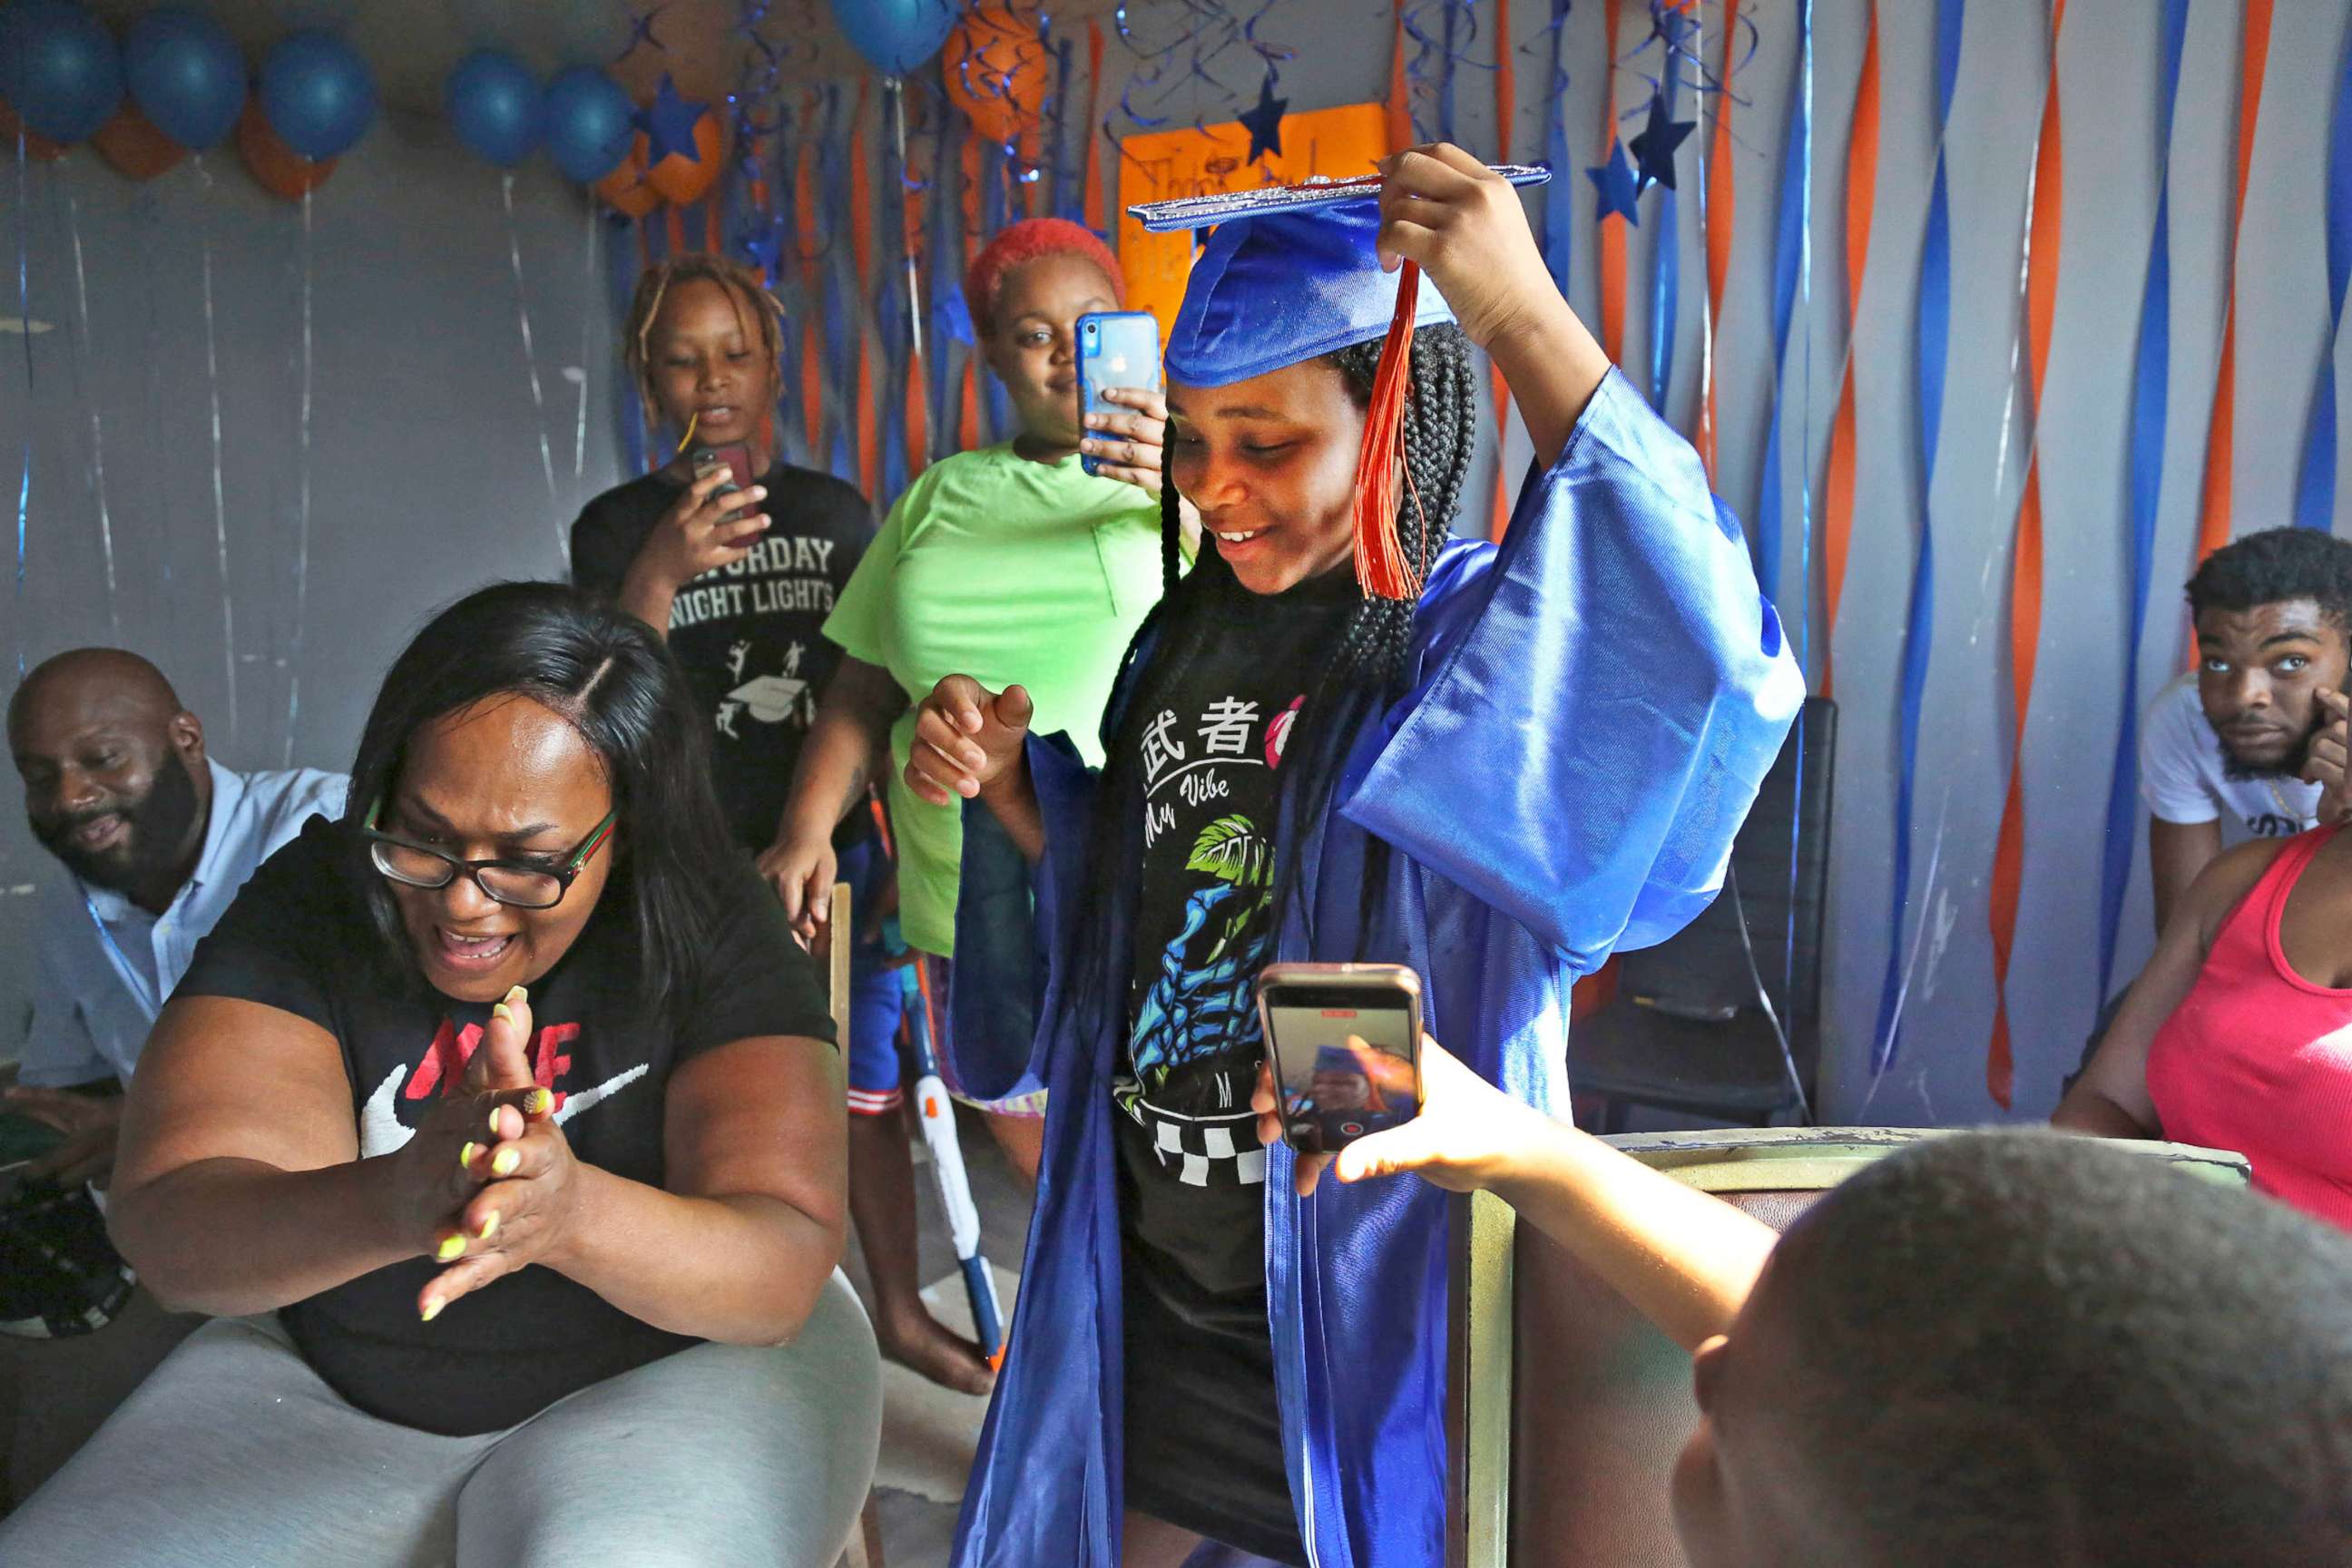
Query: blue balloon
[(317, 94), (60, 68), (185, 74), (590, 122), (896, 36), (493, 100)]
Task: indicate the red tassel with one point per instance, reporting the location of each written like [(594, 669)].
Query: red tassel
[(1383, 568)]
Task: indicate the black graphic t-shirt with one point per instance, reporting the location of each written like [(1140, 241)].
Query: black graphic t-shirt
[(750, 636), (297, 938), (1210, 759)]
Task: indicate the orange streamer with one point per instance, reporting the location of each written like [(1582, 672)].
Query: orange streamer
[(674, 218), (2025, 569), (812, 327), (1861, 197), (1722, 204), (1613, 231), (1400, 102), (2213, 525), (1507, 108)]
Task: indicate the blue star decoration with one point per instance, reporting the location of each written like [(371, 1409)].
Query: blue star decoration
[(668, 125), (1653, 147), (1265, 123), (1614, 181)]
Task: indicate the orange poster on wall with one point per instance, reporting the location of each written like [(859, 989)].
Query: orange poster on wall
[(1158, 165)]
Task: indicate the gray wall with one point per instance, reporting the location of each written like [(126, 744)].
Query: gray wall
[(427, 476)]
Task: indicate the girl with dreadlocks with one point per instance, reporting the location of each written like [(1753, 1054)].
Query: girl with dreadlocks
[(1495, 764)]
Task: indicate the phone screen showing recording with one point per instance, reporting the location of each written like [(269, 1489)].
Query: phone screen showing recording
[(1348, 1067)]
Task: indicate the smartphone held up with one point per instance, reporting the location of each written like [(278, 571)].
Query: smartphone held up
[(1344, 1042), (1116, 349)]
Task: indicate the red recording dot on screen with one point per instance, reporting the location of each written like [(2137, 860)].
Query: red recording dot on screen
[(1338, 1012)]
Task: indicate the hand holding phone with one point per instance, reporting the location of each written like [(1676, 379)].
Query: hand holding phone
[(1119, 352), (1343, 1046), (735, 457)]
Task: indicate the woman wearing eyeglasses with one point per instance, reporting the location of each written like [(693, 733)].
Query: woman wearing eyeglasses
[(501, 1124)]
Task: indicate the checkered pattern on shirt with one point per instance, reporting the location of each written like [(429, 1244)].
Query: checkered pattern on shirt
[(1207, 1150)]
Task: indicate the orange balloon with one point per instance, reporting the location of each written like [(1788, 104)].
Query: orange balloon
[(134, 146), (995, 69), (36, 144), (625, 189), (275, 167), (680, 179)]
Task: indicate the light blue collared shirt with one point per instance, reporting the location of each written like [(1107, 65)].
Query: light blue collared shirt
[(104, 965)]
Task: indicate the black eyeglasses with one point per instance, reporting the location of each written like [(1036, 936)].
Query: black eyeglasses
[(522, 884)]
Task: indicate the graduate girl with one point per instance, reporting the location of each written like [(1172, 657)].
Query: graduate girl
[(1496, 765)]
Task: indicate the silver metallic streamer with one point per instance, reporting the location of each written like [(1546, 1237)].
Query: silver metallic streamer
[(531, 362), (220, 499), (303, 505), (97, 427), (589, 297)]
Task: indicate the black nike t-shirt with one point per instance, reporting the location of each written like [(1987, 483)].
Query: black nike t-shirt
[(1211, 756), (751, 636), (298, 938)]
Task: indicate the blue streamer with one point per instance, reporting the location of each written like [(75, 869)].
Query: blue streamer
[(1934, 325), (1790, 231), (2150, 389), (2315, 491), (1065, 199), (1666, 268), (1805, 494), (891, 308), (1559, 203), (995, 166), (630, 405), (24, 321), (785, 282), (946, 271)]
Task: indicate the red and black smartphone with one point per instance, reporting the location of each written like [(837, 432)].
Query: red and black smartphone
[(1344, 1040), (736, 456)]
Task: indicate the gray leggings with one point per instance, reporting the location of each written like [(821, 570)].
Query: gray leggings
[(235, 1453)]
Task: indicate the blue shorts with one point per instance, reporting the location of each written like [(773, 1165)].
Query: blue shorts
[(876, 993)]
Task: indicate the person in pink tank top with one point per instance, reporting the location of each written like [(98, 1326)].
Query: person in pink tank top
[(2238, 1035)]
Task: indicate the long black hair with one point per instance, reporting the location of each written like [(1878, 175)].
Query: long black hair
[(1365, 666), (614, 682)]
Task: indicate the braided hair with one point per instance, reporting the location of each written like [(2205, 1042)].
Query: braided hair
[(743, 286), (1366, 668)]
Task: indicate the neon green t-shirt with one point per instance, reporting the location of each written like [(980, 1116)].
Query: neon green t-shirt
[(1011, 572)]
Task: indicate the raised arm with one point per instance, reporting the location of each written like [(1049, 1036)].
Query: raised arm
[(1683, 1259)]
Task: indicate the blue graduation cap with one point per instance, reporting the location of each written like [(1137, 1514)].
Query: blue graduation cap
[(1289, 273)]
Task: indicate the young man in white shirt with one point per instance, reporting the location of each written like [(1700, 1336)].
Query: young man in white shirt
[(2226, 752)]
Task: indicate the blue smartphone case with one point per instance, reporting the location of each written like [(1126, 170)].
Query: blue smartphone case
[(1116, 348)]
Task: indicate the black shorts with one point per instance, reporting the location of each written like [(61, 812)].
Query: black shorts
[(1203, 1432)]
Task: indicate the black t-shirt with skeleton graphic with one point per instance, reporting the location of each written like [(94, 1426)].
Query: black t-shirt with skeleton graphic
[(751, 636), (1210, 756)]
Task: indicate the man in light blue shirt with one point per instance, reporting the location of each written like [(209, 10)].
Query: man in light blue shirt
[(155, 839)]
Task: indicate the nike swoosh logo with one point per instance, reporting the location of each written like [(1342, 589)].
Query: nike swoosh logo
[(573, 1104), (380, 1131)]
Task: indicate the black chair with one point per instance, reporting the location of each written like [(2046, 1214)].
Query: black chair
[(1689, 1031)]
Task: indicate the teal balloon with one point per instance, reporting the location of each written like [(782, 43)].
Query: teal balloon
[(317, 94), (60, 68), (589, 122), (185, 74), (896, 36), (494, 101)]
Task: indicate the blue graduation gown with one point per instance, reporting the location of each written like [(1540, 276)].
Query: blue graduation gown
[(1593, 705)]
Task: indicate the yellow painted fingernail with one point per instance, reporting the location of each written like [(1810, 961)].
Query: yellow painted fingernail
[(451, 1249), (518, 994), (503, 1011), (542, 1102), (503, 1163), (494, 1121), (466, 1156), (489, 1226), (432, 1310)]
